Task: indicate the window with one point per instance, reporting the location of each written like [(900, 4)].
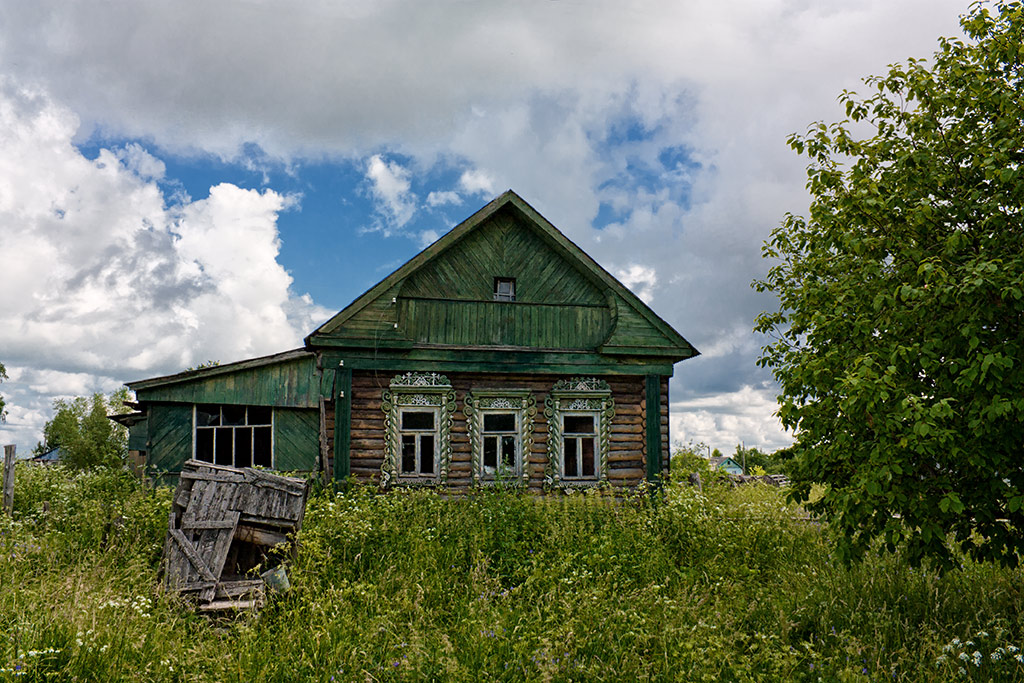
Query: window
[(419, 438), (500, 443), (236, 436), (579, 413), (418, 411), (504, 289), (500, 425), (579, 444)]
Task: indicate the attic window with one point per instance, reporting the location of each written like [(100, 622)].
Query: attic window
[(504, 289)]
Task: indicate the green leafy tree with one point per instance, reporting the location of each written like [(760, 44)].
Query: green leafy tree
[(86, 436), (899, 340)]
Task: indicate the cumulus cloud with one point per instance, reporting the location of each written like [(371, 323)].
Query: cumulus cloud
[(640, 279), (476, 182), (443, 197), (667, 119), (391, 191), (105, 281), (729, 418)]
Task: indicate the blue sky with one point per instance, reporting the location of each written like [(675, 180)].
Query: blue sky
[(188, 181)]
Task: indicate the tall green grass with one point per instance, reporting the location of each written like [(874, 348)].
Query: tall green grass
[(730, 584)]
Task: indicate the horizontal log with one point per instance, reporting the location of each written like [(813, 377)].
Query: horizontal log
[(226, 605), (619, 437), (207, 524), (626, 473), (251, 534)]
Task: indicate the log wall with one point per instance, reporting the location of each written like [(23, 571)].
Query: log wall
[(626, 459)]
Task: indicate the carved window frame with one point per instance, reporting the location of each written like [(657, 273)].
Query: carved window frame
[(523, 404), (578, 396), (417, 390)]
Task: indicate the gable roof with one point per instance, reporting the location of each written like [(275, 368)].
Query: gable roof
[(669, 342)]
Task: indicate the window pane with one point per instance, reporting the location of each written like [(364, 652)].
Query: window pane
[(504, 289), (426, 454), (490, 452), (262, 453), (508, 451), (499, 422), (234, 415), (207, 416), (243, 447), (408, 452), (587, 447), (259, 415), (579, 424), (417, 419), (569, 458), (204, 445), (224, 446)]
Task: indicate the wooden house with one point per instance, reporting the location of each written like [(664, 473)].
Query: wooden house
[(500, 353)]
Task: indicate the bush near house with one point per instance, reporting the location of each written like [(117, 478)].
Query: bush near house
[(728, 584)]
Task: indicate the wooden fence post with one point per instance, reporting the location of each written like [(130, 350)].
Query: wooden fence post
[(8, 497)]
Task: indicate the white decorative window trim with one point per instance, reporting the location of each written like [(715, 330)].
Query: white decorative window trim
[(417, 390), (579, 396), (523, 404)]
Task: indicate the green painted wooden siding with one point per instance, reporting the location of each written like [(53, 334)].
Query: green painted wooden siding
[(505, 246), (375, 321), (483, 323), (632, 329), (138, 436), (170, 436), (292, 383), (296, 439)]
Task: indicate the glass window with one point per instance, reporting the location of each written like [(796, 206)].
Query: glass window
[(236, 436), (500, 443), (579, 446), (504, 289), (418, 438)]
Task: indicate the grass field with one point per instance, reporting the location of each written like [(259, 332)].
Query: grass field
[(730, 584)]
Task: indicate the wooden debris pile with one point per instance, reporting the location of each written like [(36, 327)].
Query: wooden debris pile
[(223, 524)]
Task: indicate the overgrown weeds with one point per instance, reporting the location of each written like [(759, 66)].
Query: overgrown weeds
[(729, 584)]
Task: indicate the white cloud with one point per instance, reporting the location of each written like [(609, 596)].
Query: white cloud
[(640, 279), (140, 162), (673, 114), (391, 190), (104, 281), (442, 198), (428, 237), (477, 182), (729, 418)]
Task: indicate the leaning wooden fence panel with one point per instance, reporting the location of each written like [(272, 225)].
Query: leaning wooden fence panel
[(223, 524)]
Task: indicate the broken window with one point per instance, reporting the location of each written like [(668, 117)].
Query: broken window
[(234, 436)]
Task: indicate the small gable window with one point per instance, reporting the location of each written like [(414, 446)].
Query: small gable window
[(504, 289)]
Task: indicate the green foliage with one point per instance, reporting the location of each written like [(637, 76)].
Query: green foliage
[(898, 339), (731, 583), (86, 436), (689, 459), (770, 463)]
